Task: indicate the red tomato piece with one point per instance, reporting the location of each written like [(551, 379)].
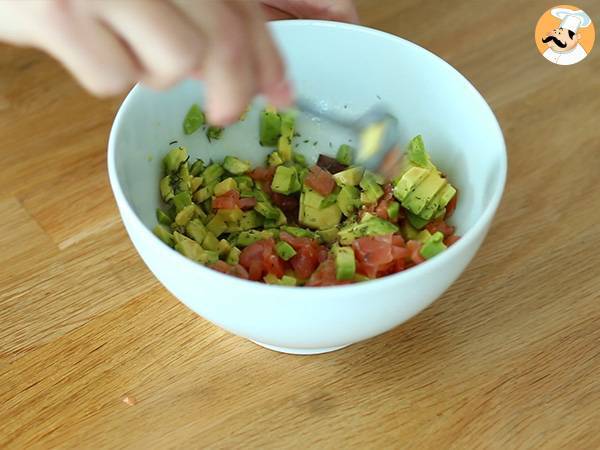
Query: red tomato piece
[(451, 206), (239, 271), (450, 240), (263, 173), (320, 180), (221, 266), (398, 240), (414, 247), (247, 203), (228, 200), (440, 225), (374, 250), (382, 209)]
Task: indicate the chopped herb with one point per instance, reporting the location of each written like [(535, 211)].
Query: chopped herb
[(214, 133), (296, 134), (379, 97), (315, 143), (330, 145), (172, 142), (306, 141), (345, 106)]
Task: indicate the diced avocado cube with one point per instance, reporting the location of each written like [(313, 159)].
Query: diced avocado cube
[(328, 236), (288, 280), (197, 168), (210, 241), (408, 231), (313, 216), (224, 247), (369, 226), (201, 214), (416, 200), (231, 215), (439, 201), (331, 199), (166, 189), (212, 173), (217, 225), (162, 217), (246, 238), (288, 122), (348, 200), (214, 133), (374, 177), (181, 200), (184, 177), (350, 177), (207, 207), (196, 183), (344, 154), (174, 159), (260, 195), (185, 215), (267, 210), (250, 220), (416, 152), (285, 181), (423, 236), (244, 182), (441, 213), (433, 246), (271, 279), (416, 221), (372, 191), (277, 222), (228, 184), (409, 182), (298, 232), (193, 120), (164, 235), (196, 230), (205, 193), (233, 257), (393, 210), (193, 250), (311, 198), (345, 263), (235, 166), (285, 250), (274, 159), (270, 127), (284, 148), (299, 159)]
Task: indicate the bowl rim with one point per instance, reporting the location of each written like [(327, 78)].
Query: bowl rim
[(466, 240)]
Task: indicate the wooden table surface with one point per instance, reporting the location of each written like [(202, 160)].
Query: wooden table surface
[(94, 353)]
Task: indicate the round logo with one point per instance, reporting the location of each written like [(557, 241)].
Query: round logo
[(565, 35)]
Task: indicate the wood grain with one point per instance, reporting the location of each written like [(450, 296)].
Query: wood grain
[(94, 353)]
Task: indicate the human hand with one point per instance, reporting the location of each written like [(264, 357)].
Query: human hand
[(110, 44)]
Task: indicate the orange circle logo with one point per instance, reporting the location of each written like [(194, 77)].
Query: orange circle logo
[(565, 35)]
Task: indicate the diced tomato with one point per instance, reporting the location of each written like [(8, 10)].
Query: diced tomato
[(398, 240), (229, 200), (368, 270), (221, 266), (382, 209), (323, 253), (387, 191), (440, 225), (239, 271), (414, 247), (247, 202), (450, 240), (451, 206), (263, 173), (296, 241), (325, 275), (260, 259), (320, 180), (255, 270), (373, 250)]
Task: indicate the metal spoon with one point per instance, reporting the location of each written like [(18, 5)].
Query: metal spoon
[(377, 132)]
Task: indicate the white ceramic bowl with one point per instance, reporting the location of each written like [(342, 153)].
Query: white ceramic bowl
[(346, 68)]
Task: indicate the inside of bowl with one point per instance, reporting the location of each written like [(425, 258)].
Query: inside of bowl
[(338, 67)]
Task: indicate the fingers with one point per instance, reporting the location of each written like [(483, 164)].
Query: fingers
[(168, 46), (267, 61), (94, 55), (340, 10)]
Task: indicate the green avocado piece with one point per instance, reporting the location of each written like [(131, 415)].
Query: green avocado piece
[(299, 232), (267, 210), (284, 148), (185, 215), (370, 225), (409, 182), (331, 199), (280, 220), (270, 127), (274, 159), (288, 280), (193, 120), (163, 234), (408, 231), (250, 220), (344, 154), (233, 257), (418, 199), (313, 216), (244, 182), (196, 230), (235, 166), (393, 210), (416, 221), (423, 236), (351, 176), (214, 133), (246, 238), (299, 159), (195, 183), (232, 216), (184, 177), (162, 217), (210, 241), (328, 236), (260, 195), (166, 188), (345, 263), (285, 250), (348, 200), (228, 184), (433, 246), (181, 200), (174, 159), (285, 181), (288, 123), (201, 195), (191, 249), (197, 168), (217, 225), (212, 173), (224, 247), (439, 201), (416, 152), (372, 191)]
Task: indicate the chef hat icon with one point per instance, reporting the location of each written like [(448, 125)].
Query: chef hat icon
[(571, 20)]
